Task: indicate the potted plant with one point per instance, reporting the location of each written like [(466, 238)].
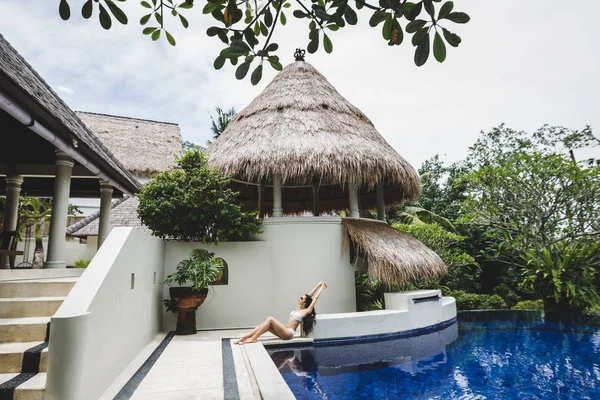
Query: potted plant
[(193, 275)]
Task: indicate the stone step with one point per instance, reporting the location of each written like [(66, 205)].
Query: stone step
[(24, 307), (11, 356), (12, 274), (31, 389), (55, 287), (31, 329)]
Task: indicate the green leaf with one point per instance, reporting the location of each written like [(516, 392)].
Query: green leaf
[(327, 45), (186, 5), (256, 29), (268, 17), (350, 15), (452, 39), (219, 62), (428, 5), (184, 21), (250, 38), (445, 10), (105, 20), (299, 14), (414, 12), (275, 64), (312, 26), (242, 70), (64, 10), (287, 5), (149, 30), (156, 34), (333, 27), (264, 30), (158, 18), (239, 46), (458, 17), (396, 34), (386, 31), (86, 10), (419, 36), (415, 25), (422, 51), (117, 12), (283, 19), (210, 7), (313, 35), (272, 47), (377, 18), (256, 75), (146, 4), (170, 39), (144, 20), (439, 48), (213, 31), (173, 12)]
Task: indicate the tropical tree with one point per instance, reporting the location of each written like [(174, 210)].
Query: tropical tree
[(35, 212), (246, 28), (194, 203), (532, 196), (222, 120)]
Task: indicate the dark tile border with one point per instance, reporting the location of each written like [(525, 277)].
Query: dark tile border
[(31, 359), (230, 386), (7, 389), (385, 336), (132, 384)]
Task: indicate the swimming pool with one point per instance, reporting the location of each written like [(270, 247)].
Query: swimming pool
[(486, 355)]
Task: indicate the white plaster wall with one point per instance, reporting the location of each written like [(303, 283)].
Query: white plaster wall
[(244, 301), (106, 320), (267, 276), (74, 249)]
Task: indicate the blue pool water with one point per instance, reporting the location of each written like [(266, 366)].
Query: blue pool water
[(487, 355)]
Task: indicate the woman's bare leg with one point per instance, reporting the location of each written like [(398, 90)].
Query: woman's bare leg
[(247, 335), (274, 326)]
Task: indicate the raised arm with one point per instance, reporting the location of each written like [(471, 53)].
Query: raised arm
[(319, 290), (312, 292)]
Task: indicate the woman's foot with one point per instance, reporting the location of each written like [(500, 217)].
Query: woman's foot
[(250, 340), (240, 340)]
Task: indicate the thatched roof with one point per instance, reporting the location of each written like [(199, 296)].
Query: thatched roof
[(301, 128), (123, 213), (20, 80), (392, 256), (145, 147)]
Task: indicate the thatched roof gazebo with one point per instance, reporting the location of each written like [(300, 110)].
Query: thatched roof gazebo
[(302, 136)]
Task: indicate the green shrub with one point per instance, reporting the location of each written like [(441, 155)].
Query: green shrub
[(529, 305), (81, 263), (475, 301), (509, 296)]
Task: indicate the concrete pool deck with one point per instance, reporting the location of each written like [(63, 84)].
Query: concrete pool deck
[(202, 366)]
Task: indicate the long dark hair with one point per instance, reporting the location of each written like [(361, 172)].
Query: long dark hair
[(309, 321)]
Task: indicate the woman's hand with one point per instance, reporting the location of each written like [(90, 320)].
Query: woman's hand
[(324, 284)]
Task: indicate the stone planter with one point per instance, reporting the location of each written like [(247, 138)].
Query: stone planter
[(187, 302)]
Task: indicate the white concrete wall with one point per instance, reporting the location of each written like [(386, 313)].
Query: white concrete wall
[(401, 314), (267, 276), (105, 322), (74, 249)]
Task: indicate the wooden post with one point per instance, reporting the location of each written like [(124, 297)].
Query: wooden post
[(380, 202), (261, 199), (353, 200), (315, 189)]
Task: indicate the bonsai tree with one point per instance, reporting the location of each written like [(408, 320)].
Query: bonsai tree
[(193, 275), (194, 203)]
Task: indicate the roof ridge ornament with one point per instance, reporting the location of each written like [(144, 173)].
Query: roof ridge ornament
[(299, 54)]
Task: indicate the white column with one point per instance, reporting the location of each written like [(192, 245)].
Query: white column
[(277, 205), (380, 202), (11, 212), (105, 206), (353, 200), (60, 209)]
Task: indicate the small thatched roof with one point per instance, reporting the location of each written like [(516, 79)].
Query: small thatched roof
[(145, 147), (301, 128), (123, 213), (393, 257)]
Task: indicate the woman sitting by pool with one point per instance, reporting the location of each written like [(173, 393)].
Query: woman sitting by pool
[(305, 314)]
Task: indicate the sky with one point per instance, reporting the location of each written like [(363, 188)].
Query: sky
[(522, 63)]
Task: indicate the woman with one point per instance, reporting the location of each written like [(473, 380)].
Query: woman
[(305, 314)]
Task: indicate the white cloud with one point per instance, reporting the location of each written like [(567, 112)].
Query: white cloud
[(523, 63), (64, 89)]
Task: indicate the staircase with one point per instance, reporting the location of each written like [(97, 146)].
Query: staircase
[(28, 298)]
